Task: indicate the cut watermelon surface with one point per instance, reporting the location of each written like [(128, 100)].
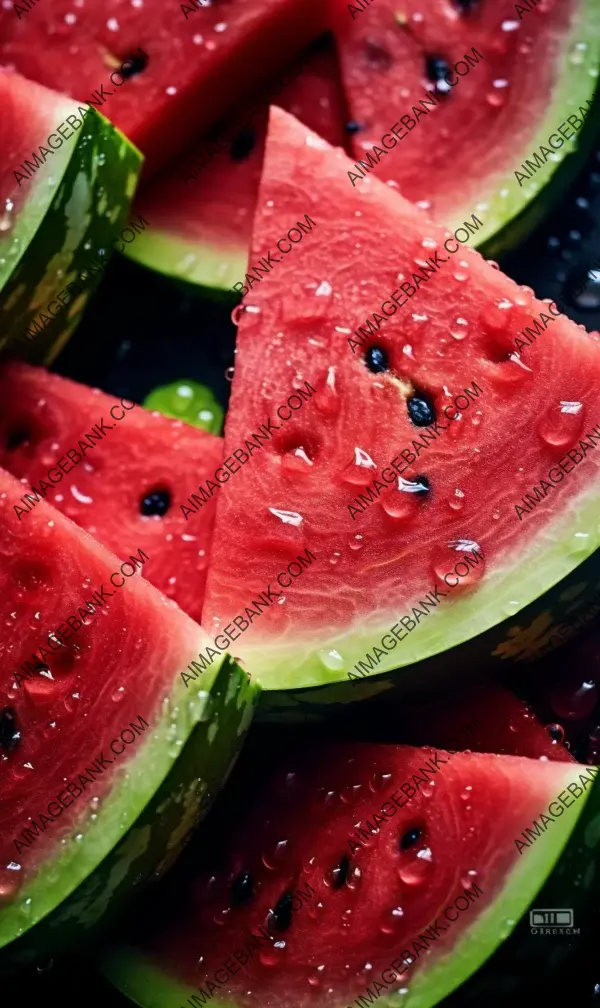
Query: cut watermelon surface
[(518, 72), (159, 73), (355, 860), (433, 401), (98, 743), (202, 208), (125, 485), (485, 718), (66, 183)]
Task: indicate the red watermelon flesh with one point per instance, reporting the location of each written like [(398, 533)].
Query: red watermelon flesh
[(377, 560), (487, 719), (118, 668), (460, 152), (201, 218), (197, 63), (43, 416), (371, 893)]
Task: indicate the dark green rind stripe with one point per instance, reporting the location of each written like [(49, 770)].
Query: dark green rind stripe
[(199, 766), (87, 213)]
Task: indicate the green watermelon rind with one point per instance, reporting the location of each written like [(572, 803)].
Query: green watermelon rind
[(201, 264), (144, 982), (295, 674), (481, 938), (94, 178), (159, 794), (510, 211)]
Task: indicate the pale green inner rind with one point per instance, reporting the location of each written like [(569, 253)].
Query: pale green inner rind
[(135, 779), (543, 557), (37, 192), (575, 84), (142, 980), (201, 262)]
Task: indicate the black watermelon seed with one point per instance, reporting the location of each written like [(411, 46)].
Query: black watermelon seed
[(323, 43), (354, 127), (410, 838), (425, 485), (340, 874), (16, 438), (135, 66), (421, 411), (281, 916), (437, 69), (9, 735), (242, 145), (242, 889), (156, 503), (377, 360)]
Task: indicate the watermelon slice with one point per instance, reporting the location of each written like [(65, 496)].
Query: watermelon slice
[(67, 180), (518, 72), (201, 211), (124, 488), (90, 695), (486, 718), (159, 72), (448, 551), (348, 860)]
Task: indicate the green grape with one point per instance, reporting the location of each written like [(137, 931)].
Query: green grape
[(188, 401)]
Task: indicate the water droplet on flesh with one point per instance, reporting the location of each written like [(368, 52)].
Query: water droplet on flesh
[(561, 425)]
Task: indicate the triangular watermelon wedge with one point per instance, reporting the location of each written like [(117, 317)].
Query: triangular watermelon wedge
[(160, 72), (354, 859), (494, 106), (433, 406), (201, 209), (121, 476), (106, 759)]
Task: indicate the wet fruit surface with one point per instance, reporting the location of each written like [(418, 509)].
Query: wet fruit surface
[(132, 475)]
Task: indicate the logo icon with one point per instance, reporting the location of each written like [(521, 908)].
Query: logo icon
[(552, 922), (551, 918)]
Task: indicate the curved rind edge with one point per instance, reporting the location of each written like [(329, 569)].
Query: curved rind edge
[(157, 798), (141, 980)]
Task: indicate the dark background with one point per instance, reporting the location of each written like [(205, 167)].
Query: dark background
[(141, 330)]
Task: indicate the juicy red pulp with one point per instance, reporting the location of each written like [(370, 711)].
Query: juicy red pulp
[(126, 490), (367, 901), (473, 131)]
